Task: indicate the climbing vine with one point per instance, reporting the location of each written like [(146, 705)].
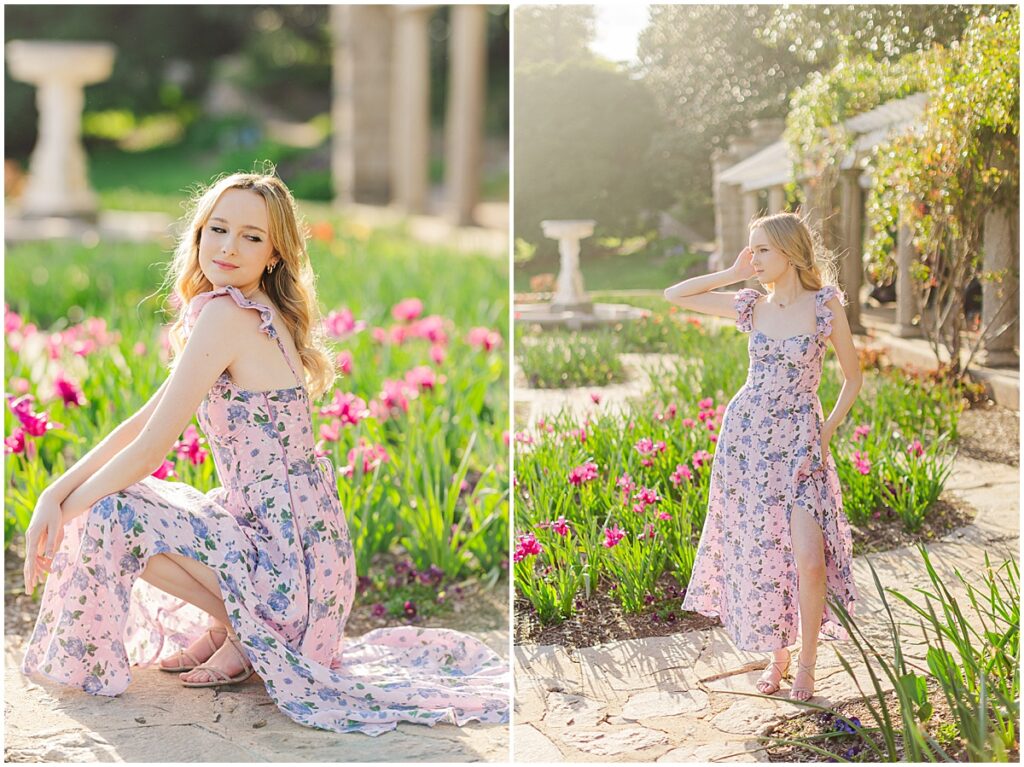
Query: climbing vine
[(941, 179)]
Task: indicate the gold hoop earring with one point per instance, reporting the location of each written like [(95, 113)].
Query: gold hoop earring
[(270, 269)]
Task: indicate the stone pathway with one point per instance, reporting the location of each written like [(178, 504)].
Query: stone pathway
[(680, 698), (156, 720)]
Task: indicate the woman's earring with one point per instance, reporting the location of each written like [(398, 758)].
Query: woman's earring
[(271, 268)]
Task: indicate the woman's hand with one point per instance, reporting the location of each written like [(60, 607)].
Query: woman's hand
[(42, 539), (827, 430), (742, 267)]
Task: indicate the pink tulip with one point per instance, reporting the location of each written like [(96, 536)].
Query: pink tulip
[(700, 457), (584, 473), (12, 320), (36, 424), (485, 338), (190, 446), (380, 335), (916, 448), (689, 422), (421, 377), (343, 361), (330, 431), (140, 349), (431, 328), (15, 441), (682, 472), (560, 526), (437, 354), (612, 537), (166, 470), (595, 398), (370, 456), (861, 462), (69, 391), (342, 324), (706, 403), (527, 545), (20, 385), (407, 310), (347, 407)]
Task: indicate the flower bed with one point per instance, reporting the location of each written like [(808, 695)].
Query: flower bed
[(416, 423)]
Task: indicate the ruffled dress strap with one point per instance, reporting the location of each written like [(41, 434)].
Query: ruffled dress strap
[(744, 303), (266, 317), (823, 312)]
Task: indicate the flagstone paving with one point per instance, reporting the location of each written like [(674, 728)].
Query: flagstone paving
[(687, 697)]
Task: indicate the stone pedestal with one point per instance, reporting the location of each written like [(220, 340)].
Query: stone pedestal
[(852, 228), (906, 300), (570, 295), (999, 299), (410, 132), (58, 184), (361, 103), (467, 76)]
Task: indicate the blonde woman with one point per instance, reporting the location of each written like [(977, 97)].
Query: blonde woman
[(258, 574), (775, 539)]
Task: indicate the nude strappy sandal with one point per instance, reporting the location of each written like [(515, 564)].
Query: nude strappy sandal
[(797, 693), (773, 686), (221, 677), (187, 657)]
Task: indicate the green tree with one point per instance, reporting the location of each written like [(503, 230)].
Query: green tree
[(583, 133), (553, 33)]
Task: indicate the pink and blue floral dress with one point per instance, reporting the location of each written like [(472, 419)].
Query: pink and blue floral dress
[(767, 462), (275, 534)]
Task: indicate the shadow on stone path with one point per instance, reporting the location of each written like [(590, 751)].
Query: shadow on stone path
[(675, 698), (157, 720)]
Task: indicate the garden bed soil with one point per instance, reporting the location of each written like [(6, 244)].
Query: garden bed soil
[(601, 619), (990, 432), (940, 727)]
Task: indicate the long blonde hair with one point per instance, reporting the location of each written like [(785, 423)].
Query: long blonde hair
[(291, 285), (792, 237)]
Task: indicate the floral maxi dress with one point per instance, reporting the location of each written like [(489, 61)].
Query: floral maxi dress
[(276, 536), (767, 461)]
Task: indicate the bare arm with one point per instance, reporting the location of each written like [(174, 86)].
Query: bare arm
[(849, 361), (210, 349), (105, 451), (697, 293)]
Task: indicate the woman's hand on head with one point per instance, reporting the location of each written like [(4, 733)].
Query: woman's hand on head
[(742, 266), (42, 539)]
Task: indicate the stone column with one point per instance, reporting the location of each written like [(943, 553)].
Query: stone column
[(361, 103), (776, 199), (852, 218), (570, 295), (58, 184), (410, 113), (999, 299), (467, 78), (728, 213), (906, 300)]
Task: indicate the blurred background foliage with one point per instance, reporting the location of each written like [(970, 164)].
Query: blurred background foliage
[(153, 114), (624, 142)]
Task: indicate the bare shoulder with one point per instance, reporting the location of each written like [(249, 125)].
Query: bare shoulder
[(223, 318)]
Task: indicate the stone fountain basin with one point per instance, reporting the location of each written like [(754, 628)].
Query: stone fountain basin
[(600, 315)]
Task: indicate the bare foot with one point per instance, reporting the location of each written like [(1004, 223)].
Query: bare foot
[(198, 652)]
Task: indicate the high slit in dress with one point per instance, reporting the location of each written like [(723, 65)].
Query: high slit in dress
[(768, 461)]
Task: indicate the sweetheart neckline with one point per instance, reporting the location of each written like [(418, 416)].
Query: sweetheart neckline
[(787, 338)]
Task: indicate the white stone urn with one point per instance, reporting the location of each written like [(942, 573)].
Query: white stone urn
[(569, 294), (58, 184)]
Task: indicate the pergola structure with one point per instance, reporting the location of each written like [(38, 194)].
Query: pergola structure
[(750, 178), (381, 106)]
